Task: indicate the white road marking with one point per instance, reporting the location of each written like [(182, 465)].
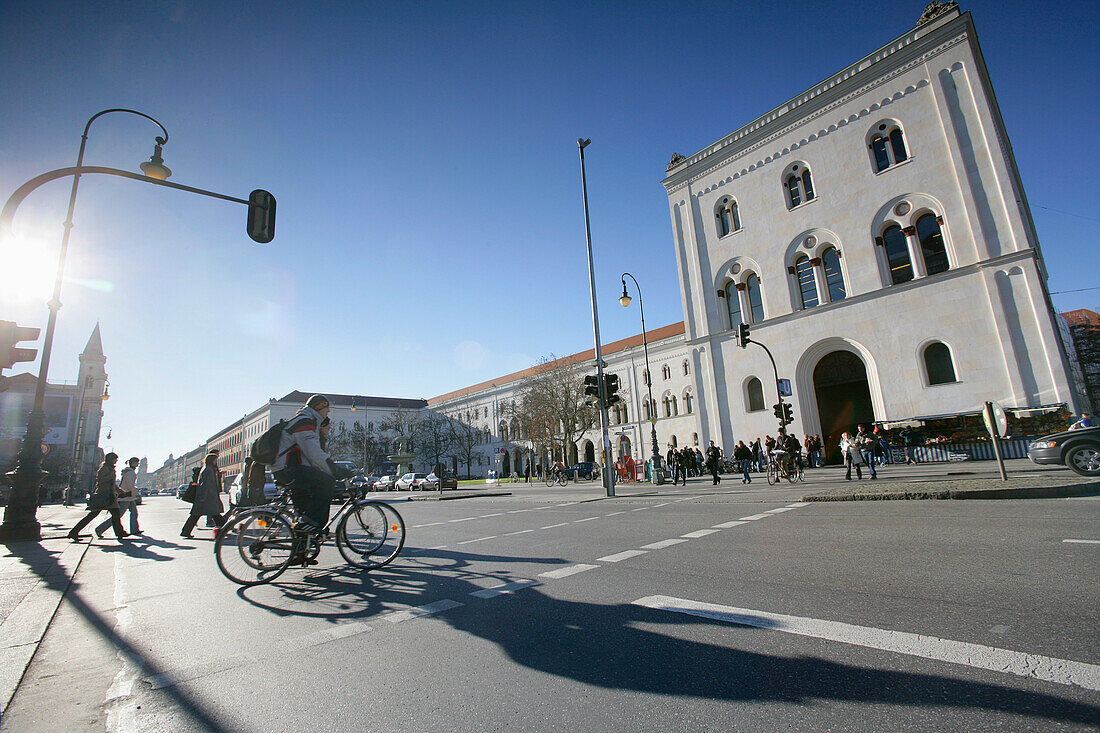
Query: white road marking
[(586, 519), (1050, 669), (429, 524), (519, 511), (621, 556), (444, 605), (486, 516), (504, 588), (998, 629), (727, 525), (568, 503), (780, 510), (464, 519), (551, 526), (120, 701), (640, 509), (612, 514), (660, 505), (662, 544), (754, 517), (798, 504), (1084, 542), (522, 531), (700, 533), (479, 539), (566, 572)]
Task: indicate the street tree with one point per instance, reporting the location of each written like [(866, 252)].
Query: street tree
[(464, 441), (554, 410), (433, 437)]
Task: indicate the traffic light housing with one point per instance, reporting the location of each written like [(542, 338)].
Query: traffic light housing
[(743, 335), (592, 387), (611, 386), (10, 335), (261, 216), (777, 410), (788, 413)]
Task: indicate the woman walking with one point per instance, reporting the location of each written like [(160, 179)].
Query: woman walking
[(849, 446), (743, 454), (208, 498), (103, 498)]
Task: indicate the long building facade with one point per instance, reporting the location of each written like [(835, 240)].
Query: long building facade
[(872, 232)]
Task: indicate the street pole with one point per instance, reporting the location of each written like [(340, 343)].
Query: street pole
[(20, 521), (778, 395), (655, 475), (608, 476)]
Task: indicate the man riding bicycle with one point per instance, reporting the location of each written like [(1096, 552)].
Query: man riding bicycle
[(788, 451), (303, 465)]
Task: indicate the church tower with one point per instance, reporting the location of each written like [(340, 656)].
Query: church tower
[(93, 385)]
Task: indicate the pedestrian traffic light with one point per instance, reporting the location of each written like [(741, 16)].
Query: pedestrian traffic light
[(592, 387), (10, 335), (743, 335), (788, 413), (777, 410), (261, 216), (611, 386)]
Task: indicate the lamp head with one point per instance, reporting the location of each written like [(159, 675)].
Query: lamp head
[(155, 167), (624, 299)]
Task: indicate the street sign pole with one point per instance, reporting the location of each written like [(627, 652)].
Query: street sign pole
[(996, 424)]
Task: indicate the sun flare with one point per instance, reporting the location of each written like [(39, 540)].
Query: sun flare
[(26, 273)]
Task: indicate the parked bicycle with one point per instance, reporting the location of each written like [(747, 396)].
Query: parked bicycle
[(259, 543)]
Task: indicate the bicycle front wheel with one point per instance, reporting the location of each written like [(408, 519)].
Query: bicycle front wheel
[(562, 479), (370, 534), (801, 473), (255, 547), (773, 474)]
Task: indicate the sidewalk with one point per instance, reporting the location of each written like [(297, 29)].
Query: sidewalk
[(34, 577)]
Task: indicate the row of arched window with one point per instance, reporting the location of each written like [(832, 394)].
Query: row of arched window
[(886, 143), (818, 278), (936, 359)]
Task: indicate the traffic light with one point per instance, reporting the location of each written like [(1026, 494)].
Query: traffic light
[(10, 335), (777, 410), (743, 335), (261, 216), (592, 387), (788, 413), (611, 386)]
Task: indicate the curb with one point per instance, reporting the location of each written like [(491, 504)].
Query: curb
[(1035, 492), (452, 497)]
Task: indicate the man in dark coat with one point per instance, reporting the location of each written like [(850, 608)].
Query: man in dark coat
[(103, 498), (714, 460)]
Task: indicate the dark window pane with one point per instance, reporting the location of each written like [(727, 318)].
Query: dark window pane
[(794, 188), (733, 303), (937, 360), (834, 278), (756, 395), (807, 287), (736, 217), (897, 143), (897, 256), (756, 305), (882, 159), (723, 222), (807, 184), (931, 244)]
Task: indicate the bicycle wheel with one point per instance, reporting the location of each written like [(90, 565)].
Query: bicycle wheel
[(789, 474), (370, 534), (550, 479), (562, 479), (256, 547), (801, 473), (773, 475)]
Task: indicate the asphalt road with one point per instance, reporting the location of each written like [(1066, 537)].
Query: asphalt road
[(692, 609)]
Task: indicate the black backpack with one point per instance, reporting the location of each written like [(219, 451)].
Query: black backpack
[(265, 449)]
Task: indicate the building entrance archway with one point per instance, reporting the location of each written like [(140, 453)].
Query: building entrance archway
[(843, 398), (505, 465), (589, 451)]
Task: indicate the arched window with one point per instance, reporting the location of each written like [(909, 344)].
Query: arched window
[(931, 244), (755, 392), (666, 372), (756, 303), (645, 409), (673, 441), (733, 306), (695, 438), (834, 278), (938, 364), (897, 255), (728, 220), (887, 147), (626, 415), (687, 402), (675, 409), (668, 408), (645, 376), (799, 185), (685, 366), (807, 285)]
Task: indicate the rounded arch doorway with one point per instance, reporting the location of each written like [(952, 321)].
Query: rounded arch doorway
[(505, 465), (589, 451), (843, 398)]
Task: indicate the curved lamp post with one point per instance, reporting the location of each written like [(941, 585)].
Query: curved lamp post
[(20, 522), (625, 300)]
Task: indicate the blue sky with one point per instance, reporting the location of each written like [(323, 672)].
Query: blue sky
[(430, 232)]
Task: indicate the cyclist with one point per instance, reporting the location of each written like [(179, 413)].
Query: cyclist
[(792, 451), (303, 465)]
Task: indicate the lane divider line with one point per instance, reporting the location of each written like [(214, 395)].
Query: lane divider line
[(566, 572), (1049, 669), (619, 556), (1084, 542), (479, 539), (551, 526), (443, 605), (727, 525), (754, 517), (504, 588), (699, 533), (662, 544)]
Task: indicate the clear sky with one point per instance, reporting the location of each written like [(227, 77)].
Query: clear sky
[(430, 229)]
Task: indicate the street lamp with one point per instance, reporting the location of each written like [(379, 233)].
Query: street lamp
[(20, 522), (625, 300)]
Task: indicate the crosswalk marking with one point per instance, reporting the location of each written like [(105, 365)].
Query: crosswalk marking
[(504, 588), (566, 572), (754, 517), (619, 556), (445, 604), (727, 525), (662, 544)]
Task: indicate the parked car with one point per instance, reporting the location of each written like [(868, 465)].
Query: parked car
[(410, 482), (432, 481), (1078, 450), (270, 490), (385, 483), (583, 470)]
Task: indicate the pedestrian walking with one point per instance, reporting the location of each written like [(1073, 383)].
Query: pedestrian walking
[(127, 499), (102, 499), (714, 461), (743, 454), (867, 447), (208, 500), (853, 456), (909, 441)]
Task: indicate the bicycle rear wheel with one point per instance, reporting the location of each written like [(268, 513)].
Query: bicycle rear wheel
[(255, 547), (801, 473), (370, 534)]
